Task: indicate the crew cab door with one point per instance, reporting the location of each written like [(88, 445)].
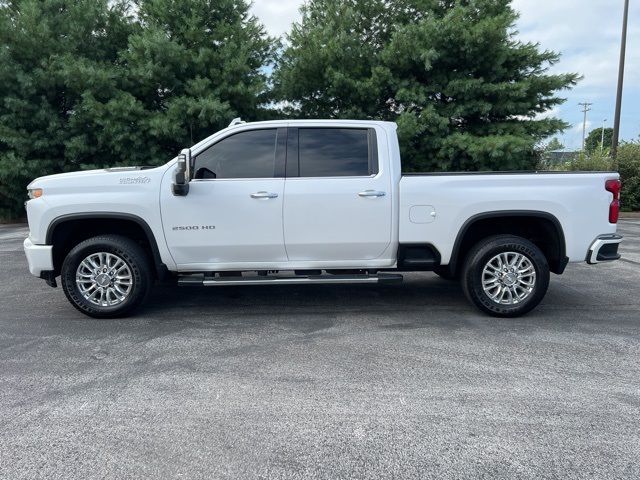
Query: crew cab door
[(338, 202), (233, 211)]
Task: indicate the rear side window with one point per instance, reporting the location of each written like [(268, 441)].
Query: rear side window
[(336, 152), (248, 154)]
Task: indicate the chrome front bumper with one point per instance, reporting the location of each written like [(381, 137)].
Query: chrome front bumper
[(604, 249), (39, 257)]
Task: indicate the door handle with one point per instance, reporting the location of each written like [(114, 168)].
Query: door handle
[(264, 195), (372, 193)]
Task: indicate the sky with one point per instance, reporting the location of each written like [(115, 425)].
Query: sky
[(585, 32)]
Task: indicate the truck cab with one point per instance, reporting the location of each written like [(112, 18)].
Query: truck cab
[(275, 196)]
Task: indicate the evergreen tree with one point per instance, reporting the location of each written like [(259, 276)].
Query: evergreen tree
[(332, 68), (465, 93), (554, 144), (54, 53), (87, 84), (193, 66)]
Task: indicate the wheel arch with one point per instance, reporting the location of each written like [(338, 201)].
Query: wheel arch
[(541, 228), (66, 231)]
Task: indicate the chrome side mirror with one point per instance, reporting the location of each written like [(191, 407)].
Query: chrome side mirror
[(182, 174)]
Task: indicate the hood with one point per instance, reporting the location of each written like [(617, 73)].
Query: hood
[(84, 174)]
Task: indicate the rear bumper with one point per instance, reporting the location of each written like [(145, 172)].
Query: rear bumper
[(39, 257), (604, 249)]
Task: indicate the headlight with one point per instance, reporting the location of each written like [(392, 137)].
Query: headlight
[(34, 192)]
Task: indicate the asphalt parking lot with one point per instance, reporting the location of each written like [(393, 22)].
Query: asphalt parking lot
[(404, 381)]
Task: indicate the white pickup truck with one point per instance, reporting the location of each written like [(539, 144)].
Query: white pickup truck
[(312, 201)]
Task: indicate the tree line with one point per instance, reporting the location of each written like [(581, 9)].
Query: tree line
[(96, 83)]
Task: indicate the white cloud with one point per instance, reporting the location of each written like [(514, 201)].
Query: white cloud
[(577, 129), (277, 15), (587, 34)]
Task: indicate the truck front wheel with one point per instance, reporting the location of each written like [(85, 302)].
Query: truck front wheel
[(106, 276), (505, 275)]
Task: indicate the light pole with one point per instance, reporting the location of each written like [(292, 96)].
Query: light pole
[(623, 46), (602, 136)]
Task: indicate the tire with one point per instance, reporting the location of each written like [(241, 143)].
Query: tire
[(508, 293), (445, 274), (110, 294)]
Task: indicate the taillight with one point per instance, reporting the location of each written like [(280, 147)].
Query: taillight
[(613, 186)]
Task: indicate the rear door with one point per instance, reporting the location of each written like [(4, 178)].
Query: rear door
[(338, 202)]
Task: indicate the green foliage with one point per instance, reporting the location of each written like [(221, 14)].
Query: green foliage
[(594, 138), (628, 163), (547, 155), (194, 66), (554, 144), (87, 84), (465, 93), (53, 54), (595, 162)]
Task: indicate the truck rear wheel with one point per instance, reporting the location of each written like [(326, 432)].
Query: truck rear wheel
[(106, 276), (505, 275)]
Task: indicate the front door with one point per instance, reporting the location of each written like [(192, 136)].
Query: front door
[(338, 205), (232, 214)]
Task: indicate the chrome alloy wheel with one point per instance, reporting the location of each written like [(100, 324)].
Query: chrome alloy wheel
[(104, 279), (508, 278)]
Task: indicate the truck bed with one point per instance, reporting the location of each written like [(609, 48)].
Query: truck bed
[(436, 205)]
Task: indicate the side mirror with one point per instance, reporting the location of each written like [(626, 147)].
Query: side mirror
[(182, 175)]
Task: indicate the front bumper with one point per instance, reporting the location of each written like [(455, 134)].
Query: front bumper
[(39, 257), (604, 249)]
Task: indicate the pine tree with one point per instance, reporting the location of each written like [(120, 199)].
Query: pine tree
[(54, 52), (96, 83), (465, 92), (553, 145), (194, 66)]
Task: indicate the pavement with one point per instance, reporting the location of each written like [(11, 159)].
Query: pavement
[(402, 381)]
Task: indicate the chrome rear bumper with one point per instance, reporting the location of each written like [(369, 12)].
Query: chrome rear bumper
[(604, 249)]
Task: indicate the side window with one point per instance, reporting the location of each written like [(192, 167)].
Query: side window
[(249, 154), (336, 152)]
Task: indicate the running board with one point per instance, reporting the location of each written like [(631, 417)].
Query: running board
[(208, 281)]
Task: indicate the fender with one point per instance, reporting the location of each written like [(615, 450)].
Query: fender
[(563, 260), (160, 267)]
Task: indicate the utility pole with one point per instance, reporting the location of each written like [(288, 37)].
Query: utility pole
[(585, 109), (623, 46), (602, 136)]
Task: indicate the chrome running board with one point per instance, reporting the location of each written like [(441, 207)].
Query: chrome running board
[(210, 281)]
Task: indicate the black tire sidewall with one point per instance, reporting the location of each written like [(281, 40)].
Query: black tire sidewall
[(130, 252), (482, 253)]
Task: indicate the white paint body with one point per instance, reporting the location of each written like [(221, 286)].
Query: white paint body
[(314, 223)]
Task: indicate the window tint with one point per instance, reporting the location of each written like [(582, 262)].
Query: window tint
[(334, 152), (243, 155)]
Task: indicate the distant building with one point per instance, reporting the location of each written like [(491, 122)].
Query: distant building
[(555, 157)]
